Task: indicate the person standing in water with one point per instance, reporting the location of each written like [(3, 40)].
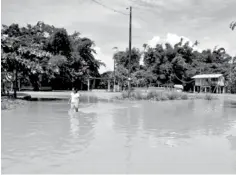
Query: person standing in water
[(74, 100)]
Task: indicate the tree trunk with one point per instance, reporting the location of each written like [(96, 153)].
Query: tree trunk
[(15, 84)]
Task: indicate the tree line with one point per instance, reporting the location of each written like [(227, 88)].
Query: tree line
[(168, 65), (43, 55)]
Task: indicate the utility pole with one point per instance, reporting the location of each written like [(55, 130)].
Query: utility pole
[(15, 83), (130, 42), (114, 75), (230, 73)]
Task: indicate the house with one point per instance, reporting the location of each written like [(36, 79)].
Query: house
[(214, 83)]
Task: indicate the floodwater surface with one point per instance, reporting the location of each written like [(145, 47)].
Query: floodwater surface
[(120, 137)]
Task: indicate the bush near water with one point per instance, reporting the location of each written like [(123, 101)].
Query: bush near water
[(11, 103), (163, 95)]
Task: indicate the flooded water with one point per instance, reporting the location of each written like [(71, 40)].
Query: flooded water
[(120, 137)]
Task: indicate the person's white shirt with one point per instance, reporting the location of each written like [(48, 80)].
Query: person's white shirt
[(75, 97)]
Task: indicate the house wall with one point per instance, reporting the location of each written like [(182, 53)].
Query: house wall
[(204, 81)]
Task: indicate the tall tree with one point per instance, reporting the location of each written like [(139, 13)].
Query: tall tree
[(59, 43), (41, 50)]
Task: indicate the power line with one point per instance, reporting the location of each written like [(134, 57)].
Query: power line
[(185, 82), (99, 3)]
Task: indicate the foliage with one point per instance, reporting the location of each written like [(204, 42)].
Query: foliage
[(163, 95), (166, 64), (46, 55), (59, 43), (209, 97)]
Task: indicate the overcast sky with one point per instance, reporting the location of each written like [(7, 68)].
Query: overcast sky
[(153, 21)]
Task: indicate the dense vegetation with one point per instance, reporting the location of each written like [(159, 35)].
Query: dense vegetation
[(154, 95), (165, 64), (168, 65), (43, 55)]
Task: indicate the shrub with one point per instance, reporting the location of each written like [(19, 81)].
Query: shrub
[(133, 95), (158, 97), (208, 97), (151, 94), (184, 96), (163, 96), (173, 95), (125, 94), (138, 95)]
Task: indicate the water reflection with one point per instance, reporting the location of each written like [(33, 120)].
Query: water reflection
[(230, 104), (127, 122), (166, 123), (186, 120), (74, 124), (125, 137), (82, 127), (232, 140)]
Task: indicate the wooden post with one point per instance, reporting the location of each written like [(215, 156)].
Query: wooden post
[(223, 90), (15, 84), (81, 85), (217, 89), (108, 88), (130, 46), (19, 84), (88, 84), (194, 89), (118, 86)]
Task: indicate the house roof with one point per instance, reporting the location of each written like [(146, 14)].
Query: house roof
[(207, 76)]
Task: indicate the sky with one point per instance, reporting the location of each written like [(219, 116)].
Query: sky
[(153, 21)]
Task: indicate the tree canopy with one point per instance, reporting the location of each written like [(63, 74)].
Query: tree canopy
[(45, 52), (166, 64)]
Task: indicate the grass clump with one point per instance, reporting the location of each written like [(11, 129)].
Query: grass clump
[(9, 103), (133, 95), (209, 97), (164, 95), (173, 95), (151, 95), (184, 97)]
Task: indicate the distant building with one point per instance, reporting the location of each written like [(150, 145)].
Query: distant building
[(214, 83), (178, 87)]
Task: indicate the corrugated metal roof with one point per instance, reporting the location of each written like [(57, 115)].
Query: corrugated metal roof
[(208, 76)]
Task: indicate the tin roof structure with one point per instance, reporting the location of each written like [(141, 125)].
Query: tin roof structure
[(207, 76)]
